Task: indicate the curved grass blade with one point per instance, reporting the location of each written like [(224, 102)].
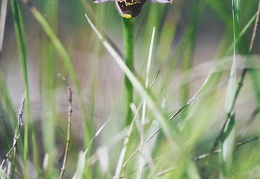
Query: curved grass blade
[(20, 38), (66, 62), (170, 133), (228, 136)]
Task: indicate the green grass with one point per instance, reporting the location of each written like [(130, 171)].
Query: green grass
[(194, 84)]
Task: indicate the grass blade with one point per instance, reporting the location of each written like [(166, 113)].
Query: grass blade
[(67, 64), (2, 22), (20, 38), (228, 138), (166, 126), (48, 76)]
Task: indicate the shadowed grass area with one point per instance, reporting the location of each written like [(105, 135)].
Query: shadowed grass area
[(194, 91)]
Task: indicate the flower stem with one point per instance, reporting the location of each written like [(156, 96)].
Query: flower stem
[(128, 29)]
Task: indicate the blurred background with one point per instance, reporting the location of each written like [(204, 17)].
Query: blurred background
[(191, 39)]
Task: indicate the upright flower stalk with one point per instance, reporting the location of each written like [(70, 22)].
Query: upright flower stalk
[(128, 30), (129, 9)]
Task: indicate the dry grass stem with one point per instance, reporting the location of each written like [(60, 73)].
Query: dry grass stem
[(255, 28), (237, 145), (10, 167), (69, 98)]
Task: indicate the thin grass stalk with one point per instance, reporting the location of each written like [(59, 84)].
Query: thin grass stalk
[(141, 161), (67, 64), (20, 124), (11, 164), (47, 80), (237, 145), (228, 138), (72, 74), (170, 133), (253, 73), (5, 97), (128, 30), (69, 98), (20, 38), (123, 152), (71, 71), (240, 83), (243, 74), (209, 79), (82, 155), (255, 28)]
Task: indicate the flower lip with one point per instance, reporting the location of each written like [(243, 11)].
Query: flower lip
[(131, 8)]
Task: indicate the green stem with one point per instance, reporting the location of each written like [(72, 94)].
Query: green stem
[(128, 29), (20, 39)]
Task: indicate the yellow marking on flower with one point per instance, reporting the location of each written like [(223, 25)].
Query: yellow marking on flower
[(131, 3), (127, 16)]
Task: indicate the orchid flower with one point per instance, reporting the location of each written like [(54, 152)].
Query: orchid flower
[(131, 8)]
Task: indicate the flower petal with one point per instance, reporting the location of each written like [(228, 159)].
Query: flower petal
[(102, 1), (160, 1)]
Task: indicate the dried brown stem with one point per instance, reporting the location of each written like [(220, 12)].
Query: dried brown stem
[(255, 28), (237, 145), (15, 139), (240, 84), (69, 98)]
